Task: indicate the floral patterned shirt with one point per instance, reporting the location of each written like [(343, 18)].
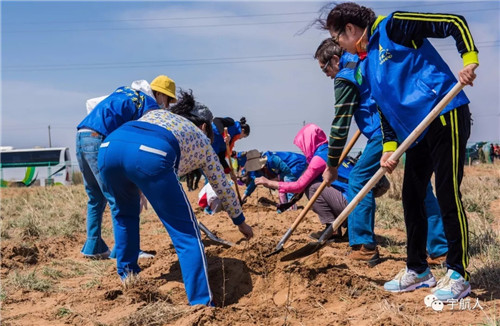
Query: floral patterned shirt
[(196, 152)]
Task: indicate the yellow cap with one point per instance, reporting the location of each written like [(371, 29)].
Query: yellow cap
[(164, 85)]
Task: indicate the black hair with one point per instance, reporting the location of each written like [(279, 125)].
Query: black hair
[(155, 94), (244, 126), (326, 50), (185, 104), (348, 12)]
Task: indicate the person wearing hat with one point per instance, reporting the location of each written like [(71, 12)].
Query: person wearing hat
[(124, 104), (283, 166), (147, 156)]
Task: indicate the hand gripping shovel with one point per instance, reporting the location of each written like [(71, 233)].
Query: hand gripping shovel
[(228, 154), (213, 237), (320, 189), (312, 247)]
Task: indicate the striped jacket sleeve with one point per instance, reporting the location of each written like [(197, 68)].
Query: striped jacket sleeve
[(346, 102), (410, 28)]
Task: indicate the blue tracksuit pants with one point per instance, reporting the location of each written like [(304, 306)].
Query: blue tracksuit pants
[(360, 223), (436, 239), (143, 157)]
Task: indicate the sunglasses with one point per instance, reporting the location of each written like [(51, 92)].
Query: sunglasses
[(336, 37), (325, 67)]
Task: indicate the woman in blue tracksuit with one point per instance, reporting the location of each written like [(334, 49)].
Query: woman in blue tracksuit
[(236, 130), (354, 100), (147, 156), (286, 166), (407, 78), (124, 104)]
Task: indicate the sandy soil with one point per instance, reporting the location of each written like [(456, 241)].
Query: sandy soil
[(325, 288)]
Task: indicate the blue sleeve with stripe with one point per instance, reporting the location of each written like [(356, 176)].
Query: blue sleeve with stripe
[(410, 28)]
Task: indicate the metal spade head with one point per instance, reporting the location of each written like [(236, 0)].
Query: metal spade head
[(311, 247), (305, 251), (213, 237), (272, 253)]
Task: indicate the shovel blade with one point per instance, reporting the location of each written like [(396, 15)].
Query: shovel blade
[(305, 251), (276, 251), (213, 237)]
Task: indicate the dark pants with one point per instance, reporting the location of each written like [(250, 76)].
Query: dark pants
[(441, 151), (329, 204)]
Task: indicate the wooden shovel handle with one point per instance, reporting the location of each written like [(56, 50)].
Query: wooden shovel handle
[(228, 154), (397, 154)]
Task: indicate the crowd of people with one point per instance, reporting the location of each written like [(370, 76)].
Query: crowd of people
[(135, 143)]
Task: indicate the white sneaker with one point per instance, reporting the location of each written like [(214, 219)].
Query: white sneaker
[(409, 280), (143, 254), (452, 287)]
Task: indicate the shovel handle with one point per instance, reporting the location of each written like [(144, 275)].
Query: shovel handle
[(395, 156), (228, 154)]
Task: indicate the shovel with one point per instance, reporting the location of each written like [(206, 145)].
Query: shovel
[(212, 236), (312, 247), (320, 189), (228, 154), (282, 207)]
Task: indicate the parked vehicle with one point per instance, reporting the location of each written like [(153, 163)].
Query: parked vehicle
[(35, 166)]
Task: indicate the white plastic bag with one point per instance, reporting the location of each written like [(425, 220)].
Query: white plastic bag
[(92, 103), (138, 85)]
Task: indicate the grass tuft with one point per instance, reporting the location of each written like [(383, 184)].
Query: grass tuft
[(155, 314), (30, 281)]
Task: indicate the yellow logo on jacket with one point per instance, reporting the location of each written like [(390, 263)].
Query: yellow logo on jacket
[(383, 54)]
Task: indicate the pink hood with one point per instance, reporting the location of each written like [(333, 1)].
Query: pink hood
[(309, 138)]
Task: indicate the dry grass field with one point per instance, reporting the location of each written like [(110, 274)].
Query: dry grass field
[(46, 281)]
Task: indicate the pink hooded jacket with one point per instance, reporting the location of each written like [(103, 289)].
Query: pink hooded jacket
[(308, 139)]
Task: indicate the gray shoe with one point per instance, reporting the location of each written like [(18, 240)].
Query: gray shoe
[(101, 256), (452, 287), (408, 280)]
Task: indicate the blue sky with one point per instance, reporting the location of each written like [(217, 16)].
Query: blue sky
[(239, 58)]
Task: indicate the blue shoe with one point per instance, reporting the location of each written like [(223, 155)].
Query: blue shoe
[(452, 287), (408, 280)]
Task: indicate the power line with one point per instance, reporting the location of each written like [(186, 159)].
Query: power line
[(187, 26), (155, 27), (160, 65), (197, 62), (231, 16), (171, 61)]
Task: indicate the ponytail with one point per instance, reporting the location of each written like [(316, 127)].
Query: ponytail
[(244, 126)]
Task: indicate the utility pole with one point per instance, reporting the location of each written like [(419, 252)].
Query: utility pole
[(50, 142)]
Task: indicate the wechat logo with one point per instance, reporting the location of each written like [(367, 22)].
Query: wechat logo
[(433, 302)]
